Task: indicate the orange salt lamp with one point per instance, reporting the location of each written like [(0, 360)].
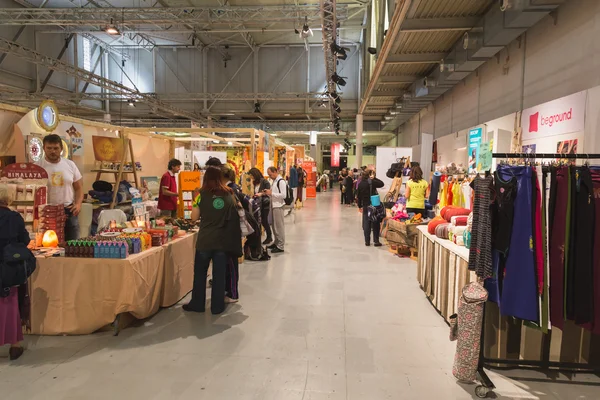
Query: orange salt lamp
[(50, 239)]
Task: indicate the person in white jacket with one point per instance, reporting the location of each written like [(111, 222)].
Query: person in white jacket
[(277, 193)]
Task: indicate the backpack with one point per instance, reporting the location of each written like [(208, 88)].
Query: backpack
[(289, 193), (17, 263)]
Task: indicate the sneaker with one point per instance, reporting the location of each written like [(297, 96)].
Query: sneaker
[(268, 240), (229, 300), (276, 250), (272, 247), (378, 244), (367, 244)]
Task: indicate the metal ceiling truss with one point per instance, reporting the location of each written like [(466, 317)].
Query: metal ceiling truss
[(104, 45), (165, 16), (32, 56), (289, 96), (329, 23)]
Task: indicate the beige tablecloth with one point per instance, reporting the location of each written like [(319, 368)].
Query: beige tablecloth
[(81, 295), (179, 269)]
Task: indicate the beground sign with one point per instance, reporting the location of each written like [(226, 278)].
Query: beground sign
[(557, 117)]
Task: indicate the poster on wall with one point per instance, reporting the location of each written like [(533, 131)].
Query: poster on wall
[(528, 148), (567, 147), (557, 117), (74, 133), (474, 146), (107, 148), (335, 154)]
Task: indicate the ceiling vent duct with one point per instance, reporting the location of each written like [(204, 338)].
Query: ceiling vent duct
[(498, 28)]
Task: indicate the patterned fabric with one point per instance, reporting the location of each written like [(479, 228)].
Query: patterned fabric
[(470, 318), (480, 251)]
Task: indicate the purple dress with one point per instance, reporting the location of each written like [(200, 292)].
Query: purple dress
[(10, 319)]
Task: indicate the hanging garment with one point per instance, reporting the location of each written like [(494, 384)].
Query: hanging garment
[(443, 191), (449, 193), (580, 281), (456, 194), (470, 318), (519, 285), (506, 191), (466, 195), (557, 242), (543, 183), (537, 229), (480, 251), (546, 205), (595, 325)]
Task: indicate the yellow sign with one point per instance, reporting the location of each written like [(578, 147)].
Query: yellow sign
[(189, 180), (108, 149)]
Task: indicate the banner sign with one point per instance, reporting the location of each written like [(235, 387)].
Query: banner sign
[(24, 171), (564, 115), (335, 154)]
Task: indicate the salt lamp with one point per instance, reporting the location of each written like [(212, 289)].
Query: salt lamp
[(50, 239)]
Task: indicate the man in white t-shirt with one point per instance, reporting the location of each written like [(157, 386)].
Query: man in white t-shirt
[(278, 193), (65, 184)]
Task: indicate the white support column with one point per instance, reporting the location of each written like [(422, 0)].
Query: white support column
[(313, 145), (359, 140)]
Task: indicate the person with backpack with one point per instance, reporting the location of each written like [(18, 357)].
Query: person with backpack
[(280, 196), (366, 190), (12, 298)]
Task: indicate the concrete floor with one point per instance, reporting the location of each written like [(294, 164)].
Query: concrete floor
[(329, 319)]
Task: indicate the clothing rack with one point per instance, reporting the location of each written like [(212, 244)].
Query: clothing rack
[(546, 155), (544, 364)]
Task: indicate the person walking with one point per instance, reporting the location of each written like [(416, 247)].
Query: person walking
[(349, 185), (219, 240), (301, 182), (417, 189), (278, 193), (261, 185), (12, 299), (366, 188), (341, 180), (167, 198), (65, 183)]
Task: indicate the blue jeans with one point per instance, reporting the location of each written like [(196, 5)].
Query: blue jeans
[(72, 230), (201, 264)]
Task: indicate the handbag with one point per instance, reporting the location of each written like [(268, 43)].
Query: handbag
[(245, 226)]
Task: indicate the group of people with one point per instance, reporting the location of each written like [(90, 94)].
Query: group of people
[(221, 205)]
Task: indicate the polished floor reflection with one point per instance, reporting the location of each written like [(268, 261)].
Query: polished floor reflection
[(328, 319)]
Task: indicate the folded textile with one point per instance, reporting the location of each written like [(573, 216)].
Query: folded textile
[(459, 220), (434, 223), (459, 231), (441, 230), (458, 211), (459, 240)]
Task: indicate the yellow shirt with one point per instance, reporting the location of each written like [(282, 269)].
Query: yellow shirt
[(417, 194), (456, 194), (442, 194)]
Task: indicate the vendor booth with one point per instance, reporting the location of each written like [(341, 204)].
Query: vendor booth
[(129, 262)]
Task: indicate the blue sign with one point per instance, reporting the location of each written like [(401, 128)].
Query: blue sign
[(474, 143)]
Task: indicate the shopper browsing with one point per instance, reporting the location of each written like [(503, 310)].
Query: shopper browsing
[(278, 194), (366, 188), (167, 198), (65, 183), (261, 185), (416, 191), (219, 240)]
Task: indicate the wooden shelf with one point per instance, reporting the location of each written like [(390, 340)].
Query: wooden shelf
[(112, 171)]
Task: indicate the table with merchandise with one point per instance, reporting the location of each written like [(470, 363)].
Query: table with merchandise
[(100, 279)]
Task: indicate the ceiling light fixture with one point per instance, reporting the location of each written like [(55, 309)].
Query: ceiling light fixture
[(338, 80), (257, 108), (131, 102), (372, 50), (339, 52), (112, 29), (335, 97), (336, 108)]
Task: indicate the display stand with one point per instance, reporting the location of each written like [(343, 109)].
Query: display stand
[(118, 174), (544, 363)]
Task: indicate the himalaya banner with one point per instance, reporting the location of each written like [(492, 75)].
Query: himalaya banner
[(557, 117)]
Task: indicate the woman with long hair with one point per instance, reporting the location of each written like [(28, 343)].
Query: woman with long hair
[(417, 190), (219, 240), (260, 185)]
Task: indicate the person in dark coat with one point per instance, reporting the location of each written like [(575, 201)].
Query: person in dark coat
[(260, 185), (13, 301), (366, 188), (349, 185)]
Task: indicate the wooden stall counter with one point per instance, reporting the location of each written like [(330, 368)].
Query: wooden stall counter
[(78, 296)]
